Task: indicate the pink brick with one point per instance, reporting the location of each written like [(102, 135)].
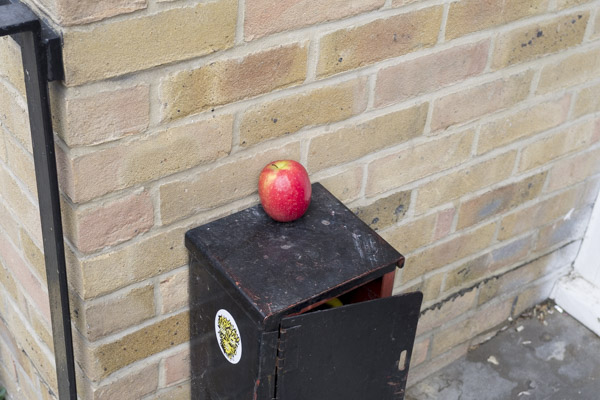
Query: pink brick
[(104, 116), (264, 17), (112, 223), (174, 292), (476, 101), (444, 223), (31, 284), (429, 73), (177, 367), (574, 169)]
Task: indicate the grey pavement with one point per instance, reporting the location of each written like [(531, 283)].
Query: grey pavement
[(543, 355)]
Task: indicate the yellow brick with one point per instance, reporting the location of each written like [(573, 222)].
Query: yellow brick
[(355, 141), (464, 181), (447, 310), (476, 101), (562, 4), (9, 285), (40, 357), (264, 17), (564, 142), (290, 114), (378, 40), (182, 391), (412, 235), (3, 138), (11, 66), (345, 185), (26, 386), (385, 211), (104, 317), (521, 124), (7, 371), (418, 162), (20, 163), (146, 258), (596, 33), (41, 327), (14, 352), (101, 117), (469, 16), (14, 115), (223, 184), (26, 212), (8, 222), (573, 169), (142, 343), (530, 42), (468, 273), (226, 81), (461, 246), (134, 44), (539, 214), (573, 70), (484, 319), (34, 255), (133, 386), (124, 165), (430, 287), (564, 230), (496, 201), (46, 393), (587, 102), (400, 3), (72, 12)]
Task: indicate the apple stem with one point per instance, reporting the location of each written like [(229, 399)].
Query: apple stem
[(275, 165)]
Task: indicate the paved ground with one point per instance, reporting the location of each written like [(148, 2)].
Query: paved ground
[(540, 357)]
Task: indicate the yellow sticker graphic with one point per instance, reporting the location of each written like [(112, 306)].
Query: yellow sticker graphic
[(228, 336)]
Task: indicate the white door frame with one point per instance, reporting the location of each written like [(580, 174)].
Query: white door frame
[(587, 263), (579, 293)]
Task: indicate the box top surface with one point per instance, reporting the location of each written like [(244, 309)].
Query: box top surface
[(280, 268)]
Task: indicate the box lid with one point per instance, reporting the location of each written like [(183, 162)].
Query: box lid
[(280, 268)]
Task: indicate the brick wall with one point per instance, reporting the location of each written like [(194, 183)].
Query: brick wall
[(466, 132)]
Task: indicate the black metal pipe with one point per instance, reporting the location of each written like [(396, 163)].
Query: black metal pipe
[(20, 22)]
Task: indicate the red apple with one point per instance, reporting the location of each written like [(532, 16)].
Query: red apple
[(284, 190)]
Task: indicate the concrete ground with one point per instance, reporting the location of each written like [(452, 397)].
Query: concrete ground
[(543, 355)]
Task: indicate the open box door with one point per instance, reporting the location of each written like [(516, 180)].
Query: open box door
[(357, 351)]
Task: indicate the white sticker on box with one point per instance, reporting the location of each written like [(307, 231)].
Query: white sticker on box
[(228, 336)]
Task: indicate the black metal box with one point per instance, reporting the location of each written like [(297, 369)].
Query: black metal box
[(263, 322)]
